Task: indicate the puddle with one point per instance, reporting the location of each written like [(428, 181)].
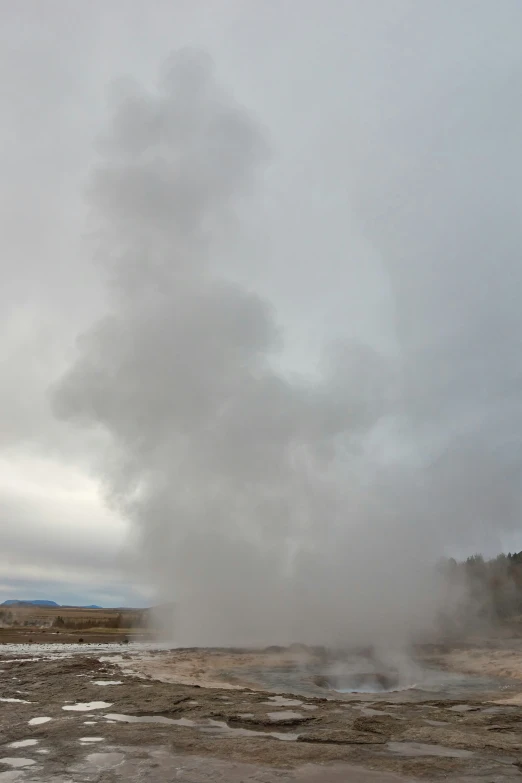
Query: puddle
[(245, 715), (499, 711), (105, 760), (285, 715), (90, 722), (10, 776), (208, 726), (112, 717), (24, 743), (92, 739), (424, 749), (43, 751), (435, 722), (309, 707), (221, 728), (18, 701), (462, 708), (18, 762), (86, 706), (282, 701), (38, 721), (107, 682)]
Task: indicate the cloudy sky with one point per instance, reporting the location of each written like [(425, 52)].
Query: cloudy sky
[(384, 211)]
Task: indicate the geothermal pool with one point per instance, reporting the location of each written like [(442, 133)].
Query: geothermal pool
[(356, 678), (299, 672)]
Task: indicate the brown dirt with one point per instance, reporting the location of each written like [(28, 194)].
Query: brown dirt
[(221, 668), (89, 636), (497, 662)]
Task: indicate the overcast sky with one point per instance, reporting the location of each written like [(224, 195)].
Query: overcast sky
[(386, 211)]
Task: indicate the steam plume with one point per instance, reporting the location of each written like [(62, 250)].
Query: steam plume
[(261, 503)]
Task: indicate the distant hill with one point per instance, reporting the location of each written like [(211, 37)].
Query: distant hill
[(17, 602)]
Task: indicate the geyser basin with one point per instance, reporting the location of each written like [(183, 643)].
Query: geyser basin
[(299, 672), (321, 671), (331, 675), (352, 674), (362, 682), (309, 681)]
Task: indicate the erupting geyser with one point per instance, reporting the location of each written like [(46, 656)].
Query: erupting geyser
[(274, 507)]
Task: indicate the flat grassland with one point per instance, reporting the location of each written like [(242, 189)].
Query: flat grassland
[(44, 624)]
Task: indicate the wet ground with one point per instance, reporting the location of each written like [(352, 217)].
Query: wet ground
[(112, 715)]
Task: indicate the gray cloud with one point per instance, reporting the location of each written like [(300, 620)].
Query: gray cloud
[(56, 534)]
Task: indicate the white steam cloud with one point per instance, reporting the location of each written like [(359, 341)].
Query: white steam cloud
[(275, 509)]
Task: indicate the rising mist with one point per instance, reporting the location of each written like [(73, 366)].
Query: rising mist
[(270, 507)]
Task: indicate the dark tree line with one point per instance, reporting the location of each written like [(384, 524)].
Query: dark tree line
[(488, 589)]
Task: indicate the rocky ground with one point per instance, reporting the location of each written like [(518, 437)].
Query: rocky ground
[(207, 718)]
